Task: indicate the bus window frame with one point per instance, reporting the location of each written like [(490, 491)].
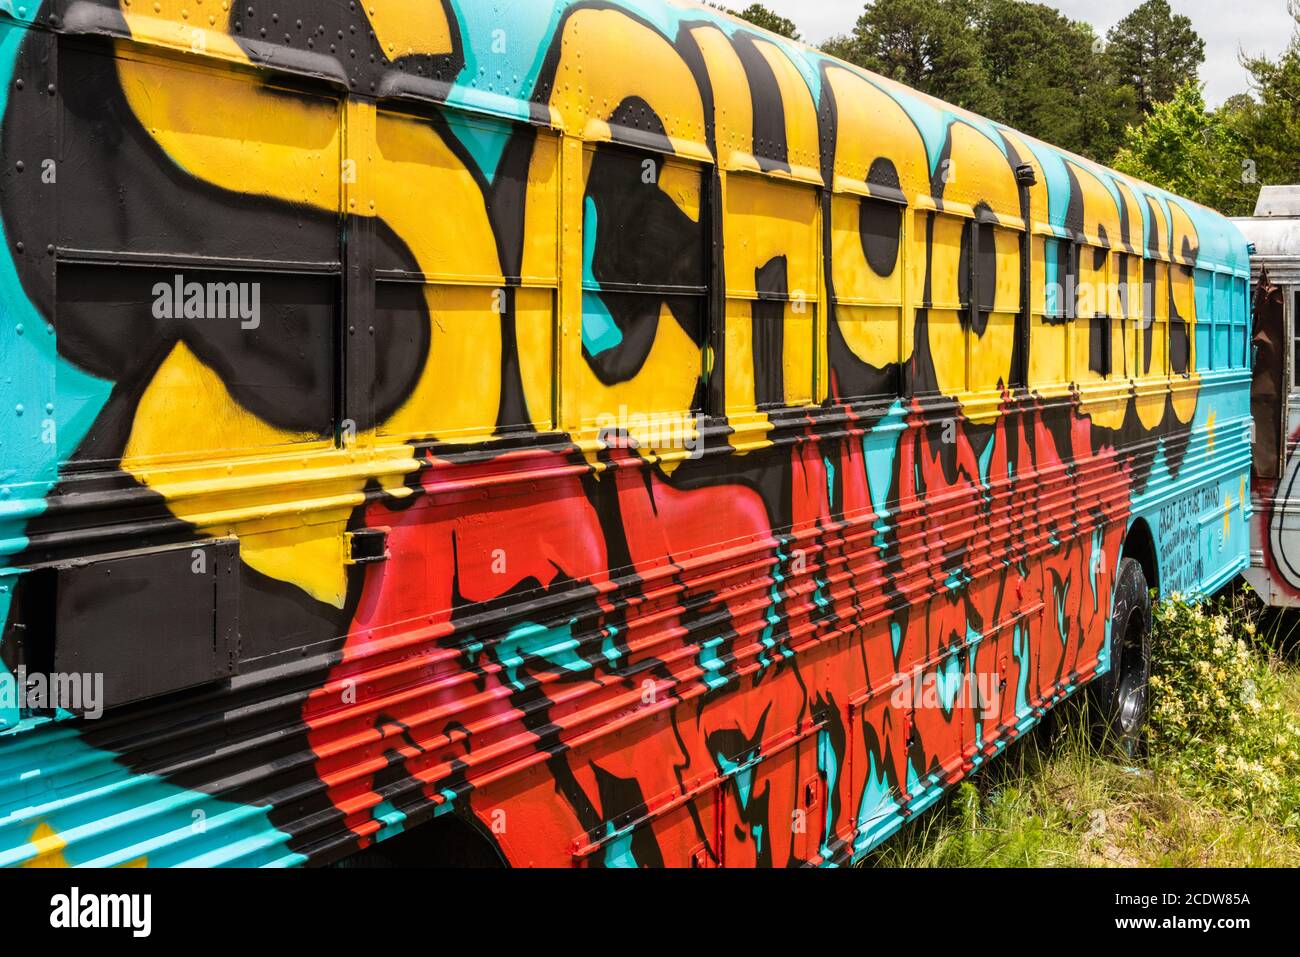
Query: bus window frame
[(1293, 340), (707, 294), (815, 299), (881, 197), (361, 252), (977, 309)]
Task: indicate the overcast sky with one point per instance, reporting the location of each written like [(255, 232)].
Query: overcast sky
[(1257, 26)]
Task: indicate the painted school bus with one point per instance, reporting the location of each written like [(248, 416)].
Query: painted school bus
[(565, 433)]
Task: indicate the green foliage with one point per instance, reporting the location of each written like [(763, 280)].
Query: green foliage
[(761, 16), (1155, 51), (1023, 64), (1220, 722), (1037, 805), (1192, 152), (1050, 79), (1221, 157), (930, 45), (1269, 121)]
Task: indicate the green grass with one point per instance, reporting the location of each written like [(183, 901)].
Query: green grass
[(1219, 785)]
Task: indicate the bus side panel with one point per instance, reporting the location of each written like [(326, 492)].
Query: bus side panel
[(444, 420)]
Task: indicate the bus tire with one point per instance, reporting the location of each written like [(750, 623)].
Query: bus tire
[(1120, 697)]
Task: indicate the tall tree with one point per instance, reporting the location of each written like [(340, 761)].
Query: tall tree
[(1049, 78), (1155, 51), (1269, 121), (1190, 151), (931, 45), (761, 16), (1023, 64)]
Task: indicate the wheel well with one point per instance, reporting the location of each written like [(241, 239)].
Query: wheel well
[(1141, 547), (443, 842)]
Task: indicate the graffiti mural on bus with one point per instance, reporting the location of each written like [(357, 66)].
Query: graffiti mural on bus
[(613, 440)]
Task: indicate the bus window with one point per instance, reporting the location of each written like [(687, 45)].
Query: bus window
[(1212, 300), (991, 338), (1240, 323), (1049, 354), (449, 294), (1295, 340), (867, 259), (1062, 279), (645, 283), (1155, 313), (1126, 296), (773, 255), (229, 337), (1093, 332), (949, 306)]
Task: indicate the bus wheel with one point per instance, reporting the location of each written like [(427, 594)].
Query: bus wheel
[(1119, 697)]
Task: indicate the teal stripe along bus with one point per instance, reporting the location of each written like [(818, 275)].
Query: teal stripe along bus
[(566, 433)]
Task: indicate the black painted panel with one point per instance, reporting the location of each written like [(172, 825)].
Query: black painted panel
[(150, 622)]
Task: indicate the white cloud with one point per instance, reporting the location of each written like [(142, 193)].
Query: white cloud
[(1255, 26)]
